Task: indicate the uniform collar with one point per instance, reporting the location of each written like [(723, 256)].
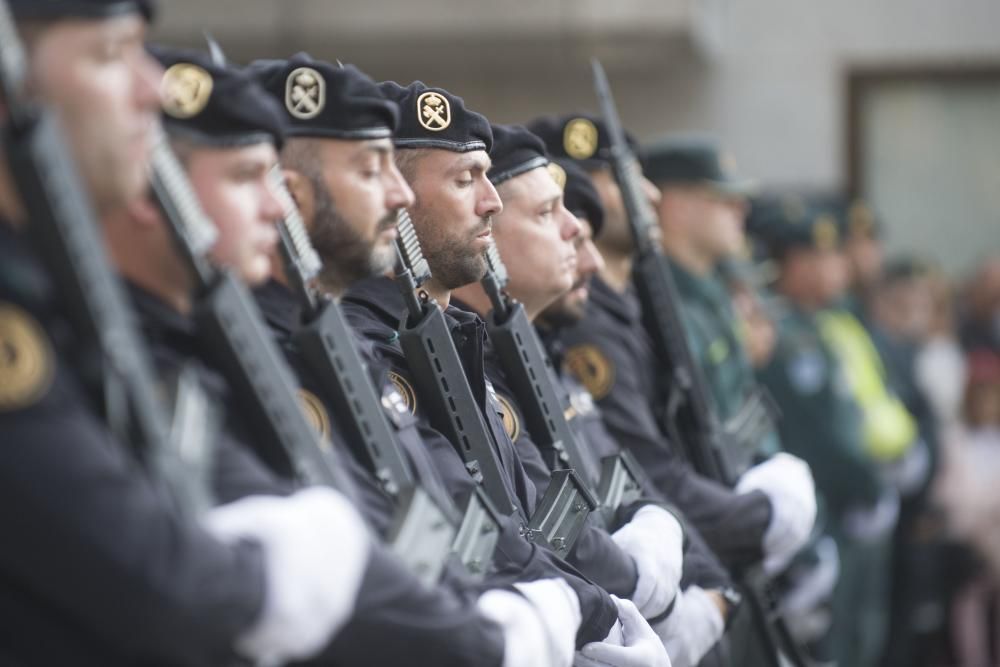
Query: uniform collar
[(692, 286), (280, 307), (379, 295), (624, 307)]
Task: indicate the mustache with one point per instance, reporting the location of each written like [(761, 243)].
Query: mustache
[(485, 225), (388, 222)]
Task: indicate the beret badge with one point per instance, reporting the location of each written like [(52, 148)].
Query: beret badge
[(433, 112), (185, 90), (305, 93), (580, 138)]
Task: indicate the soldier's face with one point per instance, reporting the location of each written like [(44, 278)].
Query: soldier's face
[(717, 223), (571, 307), (831, 274), (453, 214), (351, 209), (232, 185), (535, 235), (104, 87)]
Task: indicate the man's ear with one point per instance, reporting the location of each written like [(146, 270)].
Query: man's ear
[(145, 212), (303, 194)]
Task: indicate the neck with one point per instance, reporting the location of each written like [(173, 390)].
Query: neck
[(148, 261), (474, 296), (800, 298), (617, 271), (11, 209), (438, 292)]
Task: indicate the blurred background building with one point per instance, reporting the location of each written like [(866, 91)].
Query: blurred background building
[(898, 100)]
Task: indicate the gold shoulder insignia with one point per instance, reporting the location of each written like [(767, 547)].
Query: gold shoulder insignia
[(558, 174), (433, 111), (405, 390), (511, 420), (591, 367), (580, 138), (185, 89), (305, 93), (315, 412), (26, 359)]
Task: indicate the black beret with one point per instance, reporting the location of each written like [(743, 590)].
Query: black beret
[(581, 137), (434, 118), (579, 194), (326, 101), (693, 160), (82, 9), (515, 150), (213, 104)]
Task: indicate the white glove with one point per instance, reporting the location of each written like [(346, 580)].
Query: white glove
[(639, 645), (655, 541), (540, 625), (315, 553), (788, 484), (693, 627)]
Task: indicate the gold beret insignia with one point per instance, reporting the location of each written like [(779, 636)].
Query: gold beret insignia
[(26, 359), (580, 138), (511, 421), (860, 219), (185, 90), (305, 93), (315, 412), (433, 111), (405, 390), (591, 367), (558, 174)]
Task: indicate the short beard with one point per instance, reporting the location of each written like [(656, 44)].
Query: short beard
[(347, 257), (452, 265)]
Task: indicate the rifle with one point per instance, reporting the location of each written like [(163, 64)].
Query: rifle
[(689, 408), (437, 370), (234, 334), (608, 484), (64, 230), (424, 531)]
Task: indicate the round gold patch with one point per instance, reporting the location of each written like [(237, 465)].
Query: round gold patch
[(305, 93), (26, 367), (580, 138), (185, 90), (591, 367), (433, 111), (405, 390), (558, 174), (511, 422), (315, 412)]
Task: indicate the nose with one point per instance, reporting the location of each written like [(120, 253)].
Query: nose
[(398, 193), (488, 202), (148, 74), (570, 227), (588, 259)]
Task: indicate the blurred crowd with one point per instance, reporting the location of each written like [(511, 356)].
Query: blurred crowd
[(923, 366)]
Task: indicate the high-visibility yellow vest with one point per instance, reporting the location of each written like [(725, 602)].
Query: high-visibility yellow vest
[(889, 429)]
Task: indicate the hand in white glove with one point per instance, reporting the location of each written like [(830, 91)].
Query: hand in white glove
[(655, 541), (315, 553), (788, 484), (694, 626), (639, 646), (539, 625)]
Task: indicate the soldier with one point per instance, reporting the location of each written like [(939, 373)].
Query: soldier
[(823, 423), (145, 586), (771, 514), (701, 211), (442, 152), (531, 231)]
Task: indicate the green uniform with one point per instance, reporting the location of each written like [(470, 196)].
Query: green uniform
[(822, 424), (712, 330)]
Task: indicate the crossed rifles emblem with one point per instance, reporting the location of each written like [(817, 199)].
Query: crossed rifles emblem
[(305, 93), (433, 111)]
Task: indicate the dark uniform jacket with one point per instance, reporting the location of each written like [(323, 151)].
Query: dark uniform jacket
[(374, 308), (396, 617), (95, 568), (610, 352)]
